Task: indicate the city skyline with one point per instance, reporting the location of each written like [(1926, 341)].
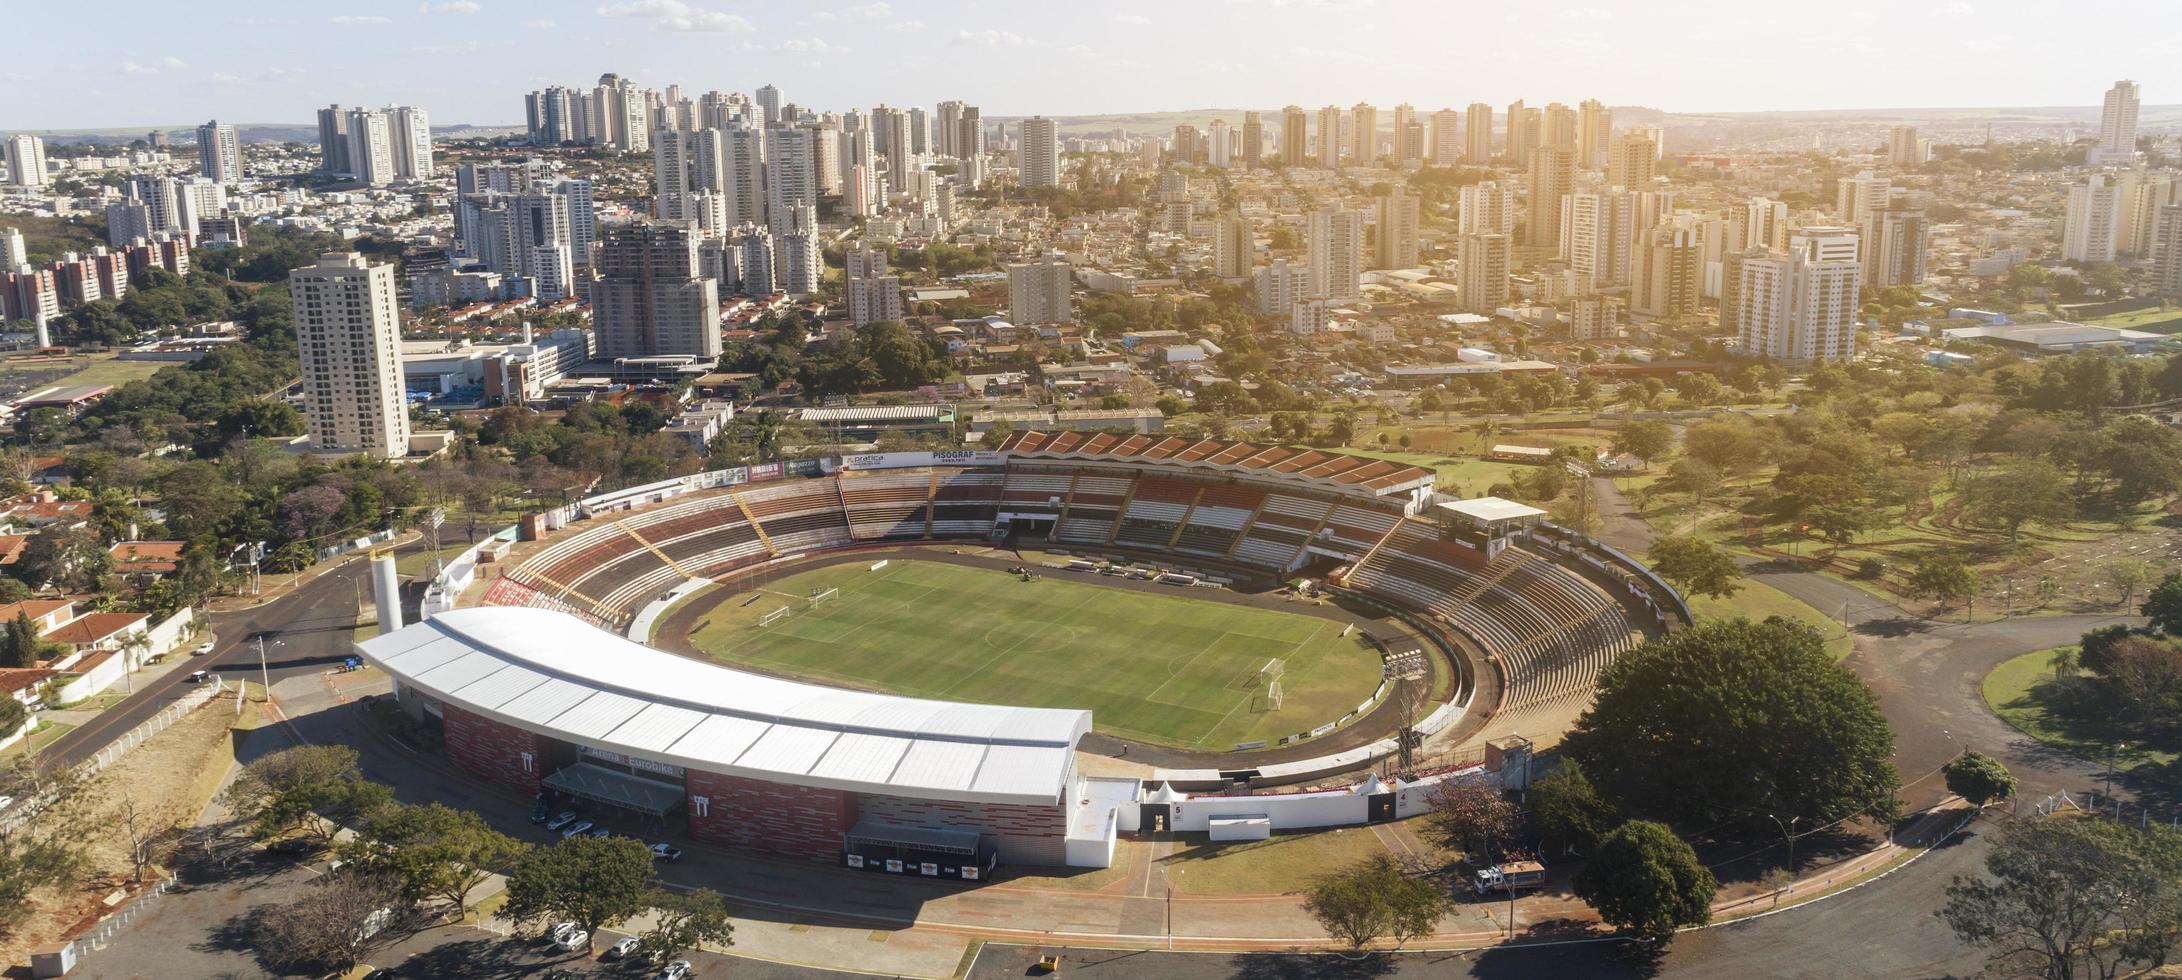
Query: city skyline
[(275, 68)]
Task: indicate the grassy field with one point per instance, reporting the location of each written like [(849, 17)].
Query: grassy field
[(1280, 864), (2157, 319), (86, 369), (1756, 601), (1156, 667), (2025, 694)]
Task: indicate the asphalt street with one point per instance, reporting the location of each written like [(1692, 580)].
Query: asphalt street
[(307, 631)]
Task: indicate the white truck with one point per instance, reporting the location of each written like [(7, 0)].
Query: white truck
[(1502, 877)]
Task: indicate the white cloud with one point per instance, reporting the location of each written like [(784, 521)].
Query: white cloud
[(812, 46), (1131, 19), (675, 15), (171, 61), (990, 39), (351, 20), (909, 25), (877, 10), (539, 25), (450, 7), (227, 79), (132, 68), (1958, 9)]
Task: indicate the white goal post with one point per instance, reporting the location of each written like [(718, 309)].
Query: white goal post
[(1271, 674), (818, 597), (773, 617)]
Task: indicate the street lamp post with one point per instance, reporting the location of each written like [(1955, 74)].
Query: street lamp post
[(265, 676), (1787, 833), (2113, 757)]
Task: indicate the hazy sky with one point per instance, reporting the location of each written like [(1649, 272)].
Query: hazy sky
[(136, 62)]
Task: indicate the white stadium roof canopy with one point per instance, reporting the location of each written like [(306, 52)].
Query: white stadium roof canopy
[(553, 673)]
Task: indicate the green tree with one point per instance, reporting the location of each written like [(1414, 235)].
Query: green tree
[(2024, 492), (1731, 714), (1979, 778), (1569, 808), (434, 851), (592, 881), (1695, 566), (2065, 899), (314, 789), (682, 921), (1695, 477), (1374, 898), (21, 646), (1471, 815), (2142, 456), (12, 716), (2126, 575), (1646, 440), (1943, 579), (2163, 605), (1647, 882)]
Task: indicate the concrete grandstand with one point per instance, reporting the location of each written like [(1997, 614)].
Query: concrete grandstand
[(848, 776)]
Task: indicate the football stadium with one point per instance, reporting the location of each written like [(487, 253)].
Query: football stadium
[(912, 662)]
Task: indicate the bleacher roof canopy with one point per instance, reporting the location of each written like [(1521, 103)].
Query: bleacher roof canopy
[(1336, 472), (1489, 511), (549, 672)]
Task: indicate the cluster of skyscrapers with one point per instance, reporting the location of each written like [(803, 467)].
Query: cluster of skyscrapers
[(375, 146)]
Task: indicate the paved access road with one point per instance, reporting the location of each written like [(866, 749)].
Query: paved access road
[(307, 631)]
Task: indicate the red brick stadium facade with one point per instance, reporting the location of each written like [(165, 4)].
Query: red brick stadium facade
[(503, 755)]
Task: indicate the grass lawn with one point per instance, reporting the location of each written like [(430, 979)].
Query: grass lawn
[(2024, 693), (44, 736), (1155, 667), (1463, 477), (1280, 864), (2157, 319), (1757, 601), (87, 369), (415, 563)]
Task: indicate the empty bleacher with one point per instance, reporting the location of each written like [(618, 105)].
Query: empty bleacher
[(1276, 538), (508, 592), (965, 503), (1222, 511), (1093, 508), (1551, 629), (798, 516), (1035, 491), (886, 504)]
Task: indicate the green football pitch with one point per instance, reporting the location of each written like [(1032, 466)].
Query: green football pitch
[(1152, 666)]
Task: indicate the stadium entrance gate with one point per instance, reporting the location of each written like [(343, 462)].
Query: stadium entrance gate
[(1154, 818)]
